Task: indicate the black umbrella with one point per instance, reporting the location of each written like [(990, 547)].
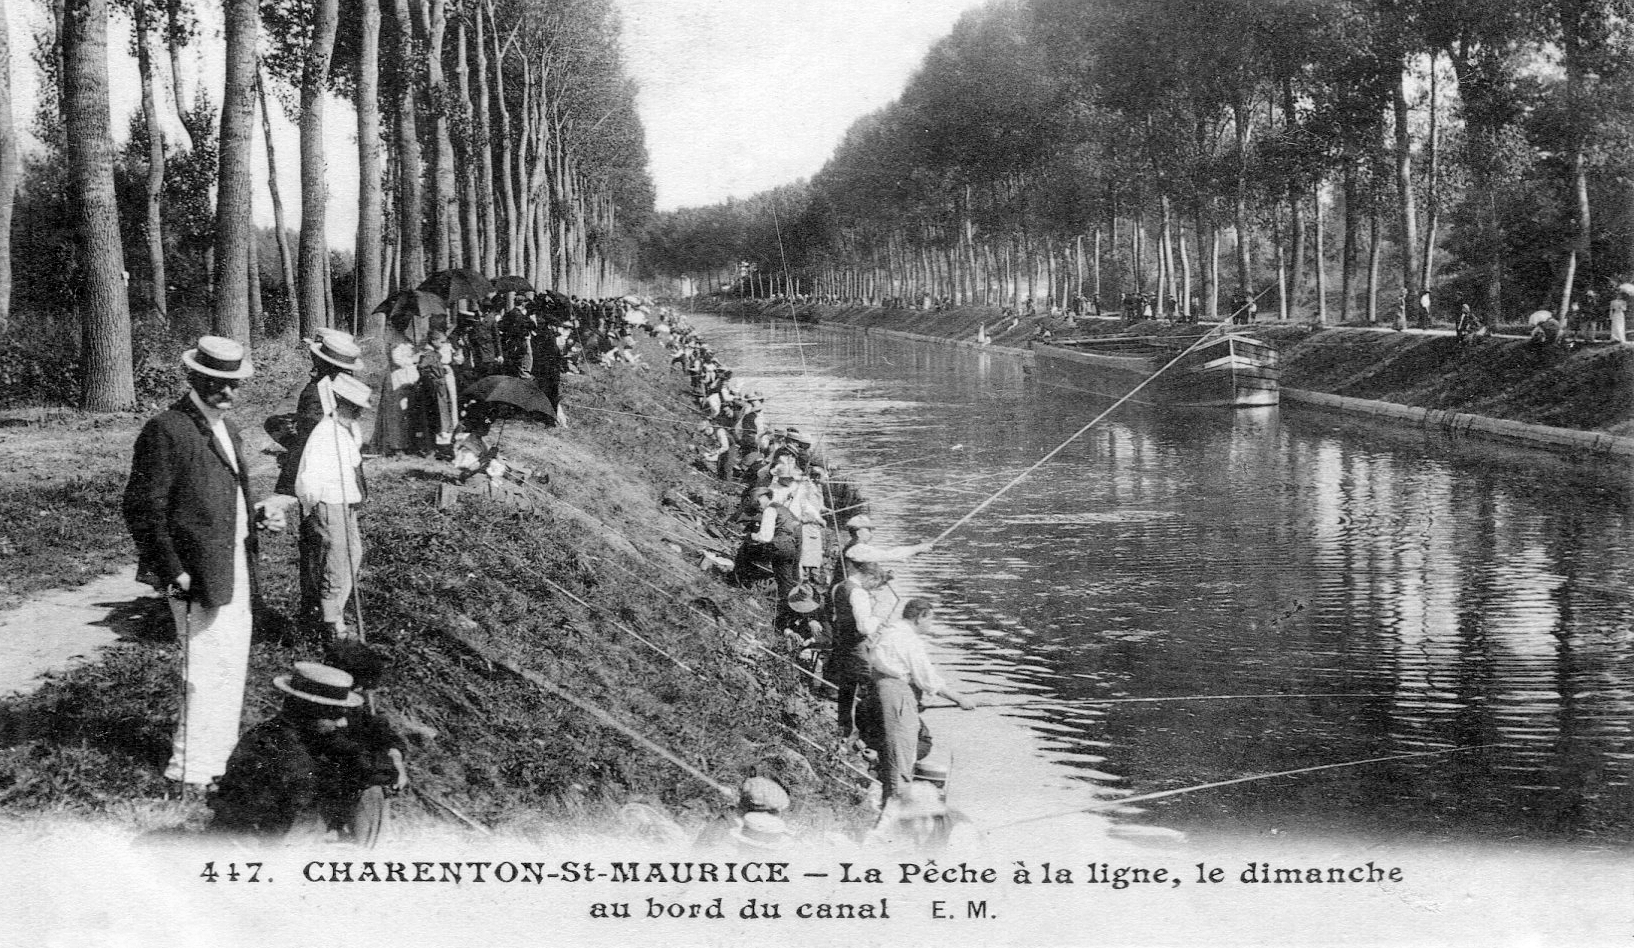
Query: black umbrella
[(451, 285), (413, 302), (509, 390), (512, 284)]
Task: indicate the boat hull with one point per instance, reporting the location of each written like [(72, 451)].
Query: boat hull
[(1231, 372)]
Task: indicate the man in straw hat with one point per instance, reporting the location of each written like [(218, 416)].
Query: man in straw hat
[(187, 505), (334, 353), (329, 487), (296, 775)]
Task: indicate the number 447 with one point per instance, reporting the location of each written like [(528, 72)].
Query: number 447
[(251, 873)]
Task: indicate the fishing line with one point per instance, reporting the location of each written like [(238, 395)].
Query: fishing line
[(1164, 794), (594, 711), (609, 411), (1057, 702), (1092, 423), (605, 612)]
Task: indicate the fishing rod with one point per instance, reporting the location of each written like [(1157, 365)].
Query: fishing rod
[(607, 613), (1165, 794), (1092, 423), (914, 491), (674, 421), (706, 616), (1057, 702)]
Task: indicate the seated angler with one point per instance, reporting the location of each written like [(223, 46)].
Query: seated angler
[(296, 776)]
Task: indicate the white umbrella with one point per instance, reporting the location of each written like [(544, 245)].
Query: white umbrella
[(1627, 288), (1540, 316)]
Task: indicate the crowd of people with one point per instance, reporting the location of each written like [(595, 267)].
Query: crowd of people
[(834, 608), (323, 762), (519, 333), (328, 762)]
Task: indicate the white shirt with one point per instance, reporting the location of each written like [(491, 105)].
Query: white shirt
[(900, 653), (329, 464), (218, 427)]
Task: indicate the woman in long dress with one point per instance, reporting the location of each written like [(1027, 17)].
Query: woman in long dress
[(394, 429)]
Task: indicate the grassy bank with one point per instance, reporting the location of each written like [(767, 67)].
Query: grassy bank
[(477, 604), (1591, 389)]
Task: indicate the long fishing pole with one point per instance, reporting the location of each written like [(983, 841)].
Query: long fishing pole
[(1059, 702), (1080, 432), (1165, 794), (610, 411)]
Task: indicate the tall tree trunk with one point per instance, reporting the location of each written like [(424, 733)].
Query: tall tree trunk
[(507, 194), (1296, 203), (1404, 191), (446, 240), (1375, 251), (156, 159), (286, 259), (314, 249), (1097, 267), (466, 157), (1245, 260), (1347, 257), (1320, 260), (258, 316), (234, 178), (1433, 194), (485, 155), (108, 381), (175, 14), (10, 171), (1282, 263), (410, 191), (367, 283)]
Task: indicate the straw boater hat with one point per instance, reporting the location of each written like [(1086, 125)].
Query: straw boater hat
[(762, 795), (338, 348), (218, 358), (762, 831), (927, 772), (803, 599), (319, 684), (354, 390), (859, 522)]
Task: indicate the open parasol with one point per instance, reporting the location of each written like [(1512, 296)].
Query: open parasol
[(512, 284), (451, 285), (509, 390)]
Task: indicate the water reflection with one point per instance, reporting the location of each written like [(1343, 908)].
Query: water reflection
[(1471, 594)]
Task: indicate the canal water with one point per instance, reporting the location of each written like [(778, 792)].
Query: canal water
[(1444, 595)]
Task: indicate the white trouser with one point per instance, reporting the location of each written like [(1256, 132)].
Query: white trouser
[(214, 663)]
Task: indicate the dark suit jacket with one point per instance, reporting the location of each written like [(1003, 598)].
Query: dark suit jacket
[(308, 412), (179, 503)]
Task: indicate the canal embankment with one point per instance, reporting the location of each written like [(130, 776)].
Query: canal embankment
[(520, 637), (1577, 403)]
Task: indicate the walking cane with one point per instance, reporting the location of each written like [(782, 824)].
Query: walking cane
[(178, 594)]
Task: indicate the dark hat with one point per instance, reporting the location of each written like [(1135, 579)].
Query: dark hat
[(319, 684)]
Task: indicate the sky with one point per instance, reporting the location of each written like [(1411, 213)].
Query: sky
[(737, 96)]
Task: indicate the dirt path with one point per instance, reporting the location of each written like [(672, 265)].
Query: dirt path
[(58, 629)]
